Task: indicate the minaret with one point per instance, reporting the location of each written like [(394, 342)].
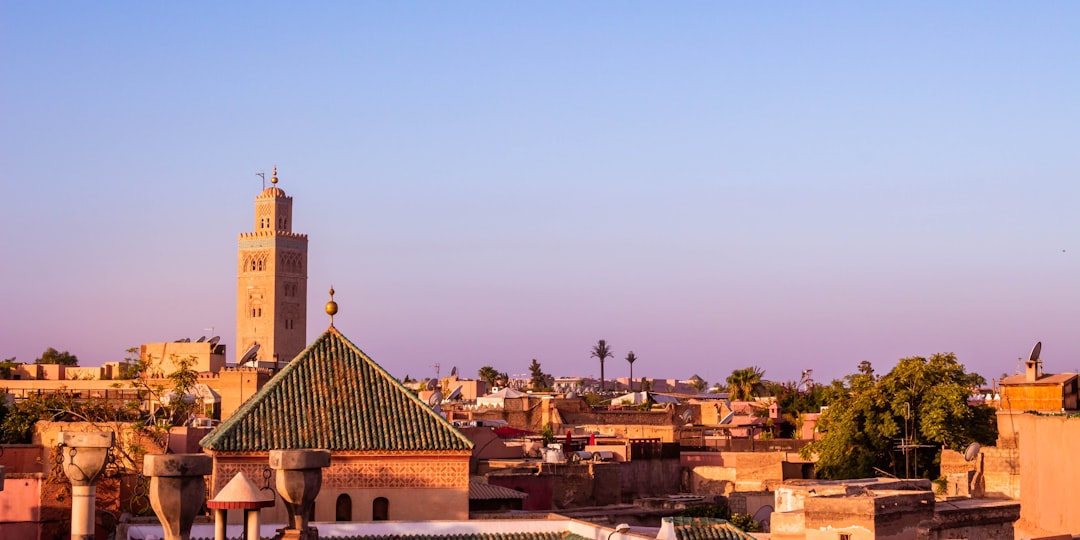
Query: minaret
[(271, 292)]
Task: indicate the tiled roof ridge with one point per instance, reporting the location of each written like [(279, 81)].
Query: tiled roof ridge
[(252, 402), (226, 436), (393, 380)]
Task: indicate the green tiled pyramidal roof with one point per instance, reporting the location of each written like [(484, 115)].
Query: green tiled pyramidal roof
[(695, 528), (333, 396)]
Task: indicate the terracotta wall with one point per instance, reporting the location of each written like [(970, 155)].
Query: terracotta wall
[(1049, 476), (23, 458)]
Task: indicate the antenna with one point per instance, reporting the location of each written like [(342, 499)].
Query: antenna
[(436, 366), (263, 176)]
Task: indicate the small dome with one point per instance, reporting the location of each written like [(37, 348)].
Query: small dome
[(272, 192)]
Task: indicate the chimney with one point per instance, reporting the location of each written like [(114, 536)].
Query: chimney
[(1034, 370)]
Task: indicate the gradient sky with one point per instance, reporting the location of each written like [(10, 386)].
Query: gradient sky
[(712, 185)]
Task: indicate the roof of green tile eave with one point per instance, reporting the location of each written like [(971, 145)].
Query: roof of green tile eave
[(695, 528), (334, 397)]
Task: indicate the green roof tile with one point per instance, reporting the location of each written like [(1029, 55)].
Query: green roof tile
[(333, 396), (695, 528)]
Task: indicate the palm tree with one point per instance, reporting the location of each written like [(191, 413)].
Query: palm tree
[(601, 351), (745, 383), (631, 358)]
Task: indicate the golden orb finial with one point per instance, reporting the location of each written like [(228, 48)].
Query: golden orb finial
[(331, 306), (273, 179)]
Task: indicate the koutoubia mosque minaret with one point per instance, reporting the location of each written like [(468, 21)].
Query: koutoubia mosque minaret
[(271, 292)]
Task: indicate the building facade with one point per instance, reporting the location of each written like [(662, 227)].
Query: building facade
[(392, 456), (271, 303)]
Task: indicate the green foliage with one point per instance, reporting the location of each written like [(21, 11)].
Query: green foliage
[(538, 380), (183, 381), (548, 434), (717, 511), (489, 375), (593, 399), (745, 522), (7, 366), (924, 399), (698, 383), (630, 359), (646, 385), (53, 356), (602, 352), (744, 384)]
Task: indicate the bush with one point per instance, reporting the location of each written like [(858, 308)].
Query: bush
[(745, 522), (719, 510)]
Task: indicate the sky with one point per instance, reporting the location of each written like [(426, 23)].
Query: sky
[(713, 185)]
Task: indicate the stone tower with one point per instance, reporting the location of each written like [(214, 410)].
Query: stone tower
[(271, 292)]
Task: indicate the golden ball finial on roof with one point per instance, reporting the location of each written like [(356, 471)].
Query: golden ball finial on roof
[(331, 307), (273, 179)]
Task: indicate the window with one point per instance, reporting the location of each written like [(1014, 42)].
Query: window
[(845, 536), (343, 509), (380, 509)]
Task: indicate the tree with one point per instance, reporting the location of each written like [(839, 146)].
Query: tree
[(538, 380), (489, 375), (630, 359), (53, 356), (922, 401), (698, 383), (744, 384), (646, 385), (7, 366), (601, 351)]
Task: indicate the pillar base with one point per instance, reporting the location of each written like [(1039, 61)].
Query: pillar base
[(310, 533)]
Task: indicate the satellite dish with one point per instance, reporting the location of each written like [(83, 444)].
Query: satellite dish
[(1035, 351), (249, 355), (453, 372), (727, 419), (456, 394), (973, 449), (435, 401), (686, 416), (432, 384), (213, 341), (200, 340), (571, 395)]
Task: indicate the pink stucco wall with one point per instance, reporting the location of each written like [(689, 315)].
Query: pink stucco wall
[(1049, 474)]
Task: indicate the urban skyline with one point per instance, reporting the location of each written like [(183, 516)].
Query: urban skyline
[(711, 187)]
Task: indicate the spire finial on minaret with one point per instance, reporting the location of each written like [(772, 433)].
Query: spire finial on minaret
[(273, 179), (331, 307)]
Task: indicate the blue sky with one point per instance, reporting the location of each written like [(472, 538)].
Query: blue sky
[(711, 185)]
